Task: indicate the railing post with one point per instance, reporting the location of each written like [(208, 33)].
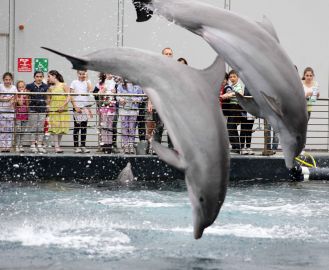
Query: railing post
[(267, 138)]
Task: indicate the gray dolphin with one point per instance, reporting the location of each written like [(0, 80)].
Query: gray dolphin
[(253, 50), (126, 176), (187, 101)]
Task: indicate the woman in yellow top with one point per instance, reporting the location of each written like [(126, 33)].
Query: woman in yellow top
[(59, 117)]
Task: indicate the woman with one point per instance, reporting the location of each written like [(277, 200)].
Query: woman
[(59, 117), (311, 89), (7, 115), (128, 111), (107, 111)]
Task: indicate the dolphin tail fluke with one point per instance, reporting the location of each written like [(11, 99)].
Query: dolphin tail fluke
[(143, 12), (215, 74), (168, 155), (77, 63)]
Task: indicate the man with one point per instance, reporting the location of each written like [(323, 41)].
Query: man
[(38, 110), (81, 107), (159, 126)]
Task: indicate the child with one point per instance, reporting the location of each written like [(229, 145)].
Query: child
[(7, 113), (22, 116), (234, 113), (107, 111)]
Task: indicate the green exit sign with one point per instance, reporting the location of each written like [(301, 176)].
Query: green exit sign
[(41, 64)]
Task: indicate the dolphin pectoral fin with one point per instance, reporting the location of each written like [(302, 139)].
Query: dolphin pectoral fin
[(249, 105), (143, 12), (273, 103), (215, 73), (267, 25), (168, 155), (77, 63)]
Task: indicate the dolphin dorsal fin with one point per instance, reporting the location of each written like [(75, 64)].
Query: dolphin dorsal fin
[(215, 73), (168, 155), (77, 63), (249, 105), (267, 25), (273, 103)]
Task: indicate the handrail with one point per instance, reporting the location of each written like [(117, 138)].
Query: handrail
[(260, 132)]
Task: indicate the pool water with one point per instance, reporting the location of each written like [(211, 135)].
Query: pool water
[(70, 226)]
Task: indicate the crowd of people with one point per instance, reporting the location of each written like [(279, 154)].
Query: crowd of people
[(241, 139), (45, 111), (49, 103)]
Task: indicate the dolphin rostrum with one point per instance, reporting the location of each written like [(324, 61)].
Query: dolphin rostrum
[(186, 100), (253, 50), (126, 176)]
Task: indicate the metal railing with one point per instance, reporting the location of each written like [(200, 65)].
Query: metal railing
[(121, 123)]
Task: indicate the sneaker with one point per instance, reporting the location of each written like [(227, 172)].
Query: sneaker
[(78, 150), (244, 152), (33, 149), (126, 149), (250, 152), (85, 150), (41, 149), (132, 149), (235, 151)]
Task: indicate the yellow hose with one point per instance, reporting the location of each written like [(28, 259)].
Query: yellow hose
[(305, 162)]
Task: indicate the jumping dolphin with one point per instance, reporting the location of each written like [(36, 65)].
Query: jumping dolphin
[(126, 176), (186, 100), (253, 50)]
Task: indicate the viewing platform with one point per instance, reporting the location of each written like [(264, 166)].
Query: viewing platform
[(97, 167)]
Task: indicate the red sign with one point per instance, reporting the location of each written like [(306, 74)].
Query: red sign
[(24, 64)]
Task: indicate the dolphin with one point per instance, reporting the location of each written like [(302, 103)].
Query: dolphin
[(126, 176), (186, 99), (253, 50)]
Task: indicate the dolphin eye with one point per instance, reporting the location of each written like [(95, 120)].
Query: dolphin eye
[(201, 200)]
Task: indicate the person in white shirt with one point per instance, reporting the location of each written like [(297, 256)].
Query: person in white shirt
[(81, 107), (7, 112), (311, 89)]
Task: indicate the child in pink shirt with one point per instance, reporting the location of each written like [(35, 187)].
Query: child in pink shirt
[(22, 117)]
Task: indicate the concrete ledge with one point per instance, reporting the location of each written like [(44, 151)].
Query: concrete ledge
[(95, 168)]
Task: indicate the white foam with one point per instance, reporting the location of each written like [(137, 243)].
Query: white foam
[(307, 209), (135, 203), (251, 231), (92, 240)]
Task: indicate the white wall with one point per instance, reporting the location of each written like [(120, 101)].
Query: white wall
[(4, 35), (73, 26)]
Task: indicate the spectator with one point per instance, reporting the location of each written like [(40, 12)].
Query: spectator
[(59, 117), (311, 89), (159, 126), (7, 113), (234, 113), (37, 111), (247, 122), (22, 116), (128, 112), (107, 111), (81, 108), (225, 102)]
